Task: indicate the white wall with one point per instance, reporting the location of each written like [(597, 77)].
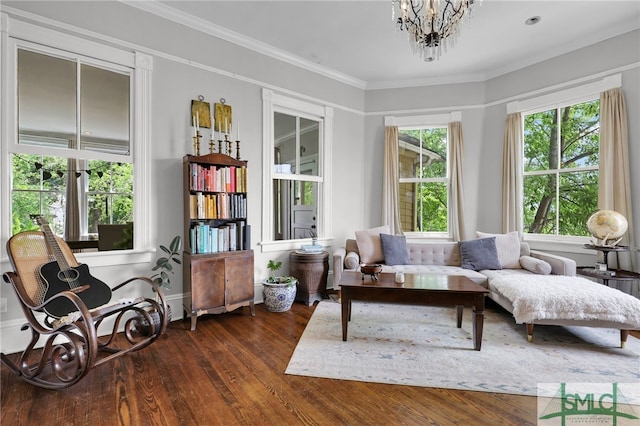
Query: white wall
[(188, 63)]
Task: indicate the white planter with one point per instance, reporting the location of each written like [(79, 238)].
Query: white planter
[(279, 297)]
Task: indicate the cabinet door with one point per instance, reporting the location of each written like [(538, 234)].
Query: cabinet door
[(239, 276), (207, 282)]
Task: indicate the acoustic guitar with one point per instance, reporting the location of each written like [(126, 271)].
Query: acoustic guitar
[(59, 276)]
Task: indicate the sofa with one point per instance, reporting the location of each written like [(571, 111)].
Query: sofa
[(522, 281)]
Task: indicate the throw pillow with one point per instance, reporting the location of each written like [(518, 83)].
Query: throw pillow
[(508, 246), (369, 244), (537, 266), (479, 254), (352, 260), (394, 248)]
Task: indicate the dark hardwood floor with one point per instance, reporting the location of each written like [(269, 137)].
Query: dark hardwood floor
[(230, 371)]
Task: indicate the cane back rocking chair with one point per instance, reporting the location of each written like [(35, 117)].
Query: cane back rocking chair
[(70, 346)]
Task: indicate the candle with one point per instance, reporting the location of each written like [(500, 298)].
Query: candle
[(213, 125), (197, 121), (193, 124), (238, 131), (226, 126)]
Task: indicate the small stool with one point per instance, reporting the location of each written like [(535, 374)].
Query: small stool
[(311, 270)]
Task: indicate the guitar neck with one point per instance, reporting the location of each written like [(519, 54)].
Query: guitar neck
[(52, 245)]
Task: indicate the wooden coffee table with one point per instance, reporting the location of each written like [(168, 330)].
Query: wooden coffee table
[(418, 289)]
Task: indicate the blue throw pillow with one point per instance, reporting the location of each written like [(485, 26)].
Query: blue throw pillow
[(479, 254), (395, 250)]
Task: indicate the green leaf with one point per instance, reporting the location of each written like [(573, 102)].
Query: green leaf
[(176, 244)]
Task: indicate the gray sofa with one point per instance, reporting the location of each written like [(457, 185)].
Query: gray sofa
[(445, 258)]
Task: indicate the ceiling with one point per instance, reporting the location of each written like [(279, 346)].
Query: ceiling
[(357, 41)]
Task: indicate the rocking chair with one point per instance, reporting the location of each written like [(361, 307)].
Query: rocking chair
[(71, 344)]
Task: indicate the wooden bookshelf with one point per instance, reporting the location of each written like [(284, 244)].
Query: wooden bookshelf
[(218, 260)]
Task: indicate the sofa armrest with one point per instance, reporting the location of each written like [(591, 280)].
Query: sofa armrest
[(560, 265), (338, 265)]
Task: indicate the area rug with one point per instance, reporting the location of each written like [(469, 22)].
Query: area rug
[(421, 346)]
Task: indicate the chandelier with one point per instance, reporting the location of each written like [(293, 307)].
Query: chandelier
[(431, 23)]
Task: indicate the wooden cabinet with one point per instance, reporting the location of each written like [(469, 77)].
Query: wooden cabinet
[(218, 260)]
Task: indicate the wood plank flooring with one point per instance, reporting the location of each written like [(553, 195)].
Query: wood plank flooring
[(230, 371)]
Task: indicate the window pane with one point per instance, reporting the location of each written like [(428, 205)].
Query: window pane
[(38, 188), (104, 110), (110, 198), (24, 172), (46, 100), (540, 136), (24, 203), (578, 200), (295, 209), (422, 153), (581, 134), (285, 142), (539, 209), (309, 146), (423, 207)]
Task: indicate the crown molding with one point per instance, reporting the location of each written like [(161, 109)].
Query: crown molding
[(231, 36)]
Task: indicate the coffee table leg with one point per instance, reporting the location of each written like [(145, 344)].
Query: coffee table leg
[(346, 314), (459, 311), (478, 322)]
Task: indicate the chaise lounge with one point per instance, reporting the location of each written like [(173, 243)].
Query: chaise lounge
[(536, 287)]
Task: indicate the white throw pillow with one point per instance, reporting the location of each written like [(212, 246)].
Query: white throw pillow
[(369, 244), (508, 246), (537, 266), (352, 260)]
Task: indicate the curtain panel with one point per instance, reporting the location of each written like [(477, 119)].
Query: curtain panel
[(391, 181), (614, 183), (512, 174)]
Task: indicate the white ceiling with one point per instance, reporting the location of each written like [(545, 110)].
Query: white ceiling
[(357, 41)]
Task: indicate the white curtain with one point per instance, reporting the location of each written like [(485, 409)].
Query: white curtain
[(456, 203), (512, 174), (614, 183), (390, 186), (72, 211)]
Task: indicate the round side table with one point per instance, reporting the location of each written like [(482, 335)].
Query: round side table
[(311, 270)]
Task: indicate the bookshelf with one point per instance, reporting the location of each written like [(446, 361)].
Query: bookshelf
[(218, 260)]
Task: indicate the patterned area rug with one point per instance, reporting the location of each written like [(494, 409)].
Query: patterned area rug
[(421, 346)]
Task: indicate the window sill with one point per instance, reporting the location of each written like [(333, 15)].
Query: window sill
[(287, 245), (115, 257), (557, 244)]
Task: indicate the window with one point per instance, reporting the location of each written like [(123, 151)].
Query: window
[(560, 178), (297, 134), (424, 179), (82, 112), (71, 135)]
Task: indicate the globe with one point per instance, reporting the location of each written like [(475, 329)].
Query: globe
[(607, 227)]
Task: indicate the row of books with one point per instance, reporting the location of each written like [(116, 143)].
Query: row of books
[(210, 178), (206, 238), (217, 206)]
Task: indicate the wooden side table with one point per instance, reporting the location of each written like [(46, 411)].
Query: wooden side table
[(311, 270)]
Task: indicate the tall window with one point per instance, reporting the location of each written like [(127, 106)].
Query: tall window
[(78, 111), (424, 179), (70, 139), (561, 156), (297, 135)]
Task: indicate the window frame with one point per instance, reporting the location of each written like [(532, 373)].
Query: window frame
[(549, 101), (18, 34), (271, 103), (429, 121), (558, 172), (446, 180)]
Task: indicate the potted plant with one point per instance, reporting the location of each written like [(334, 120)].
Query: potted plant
[(279, 291), (165, 267)]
